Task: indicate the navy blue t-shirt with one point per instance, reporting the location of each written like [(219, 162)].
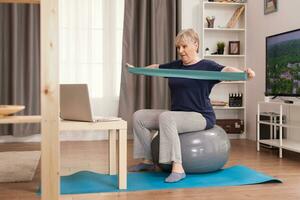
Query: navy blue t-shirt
[(193, 94)]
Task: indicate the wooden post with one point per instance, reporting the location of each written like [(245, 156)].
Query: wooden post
[(112, 152), (50, 165), (123, 159)]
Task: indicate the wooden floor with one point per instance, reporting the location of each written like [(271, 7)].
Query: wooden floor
[(77, 156)]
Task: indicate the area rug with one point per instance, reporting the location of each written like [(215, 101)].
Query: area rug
[(90, 182), (18, 166)]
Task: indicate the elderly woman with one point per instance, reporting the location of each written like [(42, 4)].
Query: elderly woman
[(190, 108)]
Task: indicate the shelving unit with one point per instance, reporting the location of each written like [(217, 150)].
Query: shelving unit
[(223, 11), (289, 144)]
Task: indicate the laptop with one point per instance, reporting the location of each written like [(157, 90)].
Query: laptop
[(75, 104)]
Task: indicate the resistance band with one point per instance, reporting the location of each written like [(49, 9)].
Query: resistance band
[(192, 74)]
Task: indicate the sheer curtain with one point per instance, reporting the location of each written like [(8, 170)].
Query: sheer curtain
[(91, 49)]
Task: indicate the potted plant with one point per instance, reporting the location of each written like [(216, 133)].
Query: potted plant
[(220, 47)]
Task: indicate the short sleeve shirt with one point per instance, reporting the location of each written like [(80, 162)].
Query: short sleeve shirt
[(192, 95)]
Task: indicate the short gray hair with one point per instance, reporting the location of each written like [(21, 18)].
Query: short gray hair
[(187, 34)]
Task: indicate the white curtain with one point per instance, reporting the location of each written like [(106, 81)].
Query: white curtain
[(91, 49)]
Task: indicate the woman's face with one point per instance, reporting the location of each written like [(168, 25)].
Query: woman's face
[(187, 49)]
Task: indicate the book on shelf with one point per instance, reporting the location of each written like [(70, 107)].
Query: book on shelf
[(218, 103), (235, 17)]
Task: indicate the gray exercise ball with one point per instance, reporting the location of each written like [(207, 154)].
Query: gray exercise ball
[(202, 151)]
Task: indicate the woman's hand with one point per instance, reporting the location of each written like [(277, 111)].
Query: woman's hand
[(154, 66), (129, 65), (149, 66), (250, 73)]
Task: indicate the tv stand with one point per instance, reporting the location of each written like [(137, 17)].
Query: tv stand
[(288, 143), (284, 101)]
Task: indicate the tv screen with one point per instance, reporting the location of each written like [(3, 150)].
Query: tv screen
[(283, 64)]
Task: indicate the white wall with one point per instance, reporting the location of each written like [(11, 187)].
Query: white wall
[(259, 26), (191, 16)]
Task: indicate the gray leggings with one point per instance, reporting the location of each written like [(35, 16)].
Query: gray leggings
[(170, 124)]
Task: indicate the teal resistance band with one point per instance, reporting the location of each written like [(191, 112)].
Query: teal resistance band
[(192, 74)]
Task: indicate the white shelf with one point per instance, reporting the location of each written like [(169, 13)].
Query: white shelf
[(224, 56), (222, 4), (286, 144), (288, 124), (225, 29), (232, 82), (227, 108)]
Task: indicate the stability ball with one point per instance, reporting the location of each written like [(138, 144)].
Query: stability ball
[(202, 151)]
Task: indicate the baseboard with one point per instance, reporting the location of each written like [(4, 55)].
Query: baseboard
[(237, 136), (64, 136)]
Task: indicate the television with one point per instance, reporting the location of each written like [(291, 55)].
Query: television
[(283, 64)]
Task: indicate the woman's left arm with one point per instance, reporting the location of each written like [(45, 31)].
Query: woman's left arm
[(250, 72)]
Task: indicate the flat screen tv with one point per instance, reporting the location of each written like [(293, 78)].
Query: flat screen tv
[(283, 64)]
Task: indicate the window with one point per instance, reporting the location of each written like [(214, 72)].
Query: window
[(91, 44)]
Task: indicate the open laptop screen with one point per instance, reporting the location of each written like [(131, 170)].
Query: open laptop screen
[(75, 102)]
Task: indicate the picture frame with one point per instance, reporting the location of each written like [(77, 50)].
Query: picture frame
[(270, 6), (234, 48)]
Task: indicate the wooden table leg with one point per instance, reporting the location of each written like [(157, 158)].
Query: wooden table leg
[(112, 152), (123, 159)]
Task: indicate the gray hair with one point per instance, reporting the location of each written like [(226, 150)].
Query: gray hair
[(187, 34)]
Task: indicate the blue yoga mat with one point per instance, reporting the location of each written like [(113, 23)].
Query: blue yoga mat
[(193, 74), (90, 182)]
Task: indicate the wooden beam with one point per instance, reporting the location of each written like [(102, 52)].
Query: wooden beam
[(79, 126), (21, 1), (20, 119), (123, 159), (112, 152), (50, 165)]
